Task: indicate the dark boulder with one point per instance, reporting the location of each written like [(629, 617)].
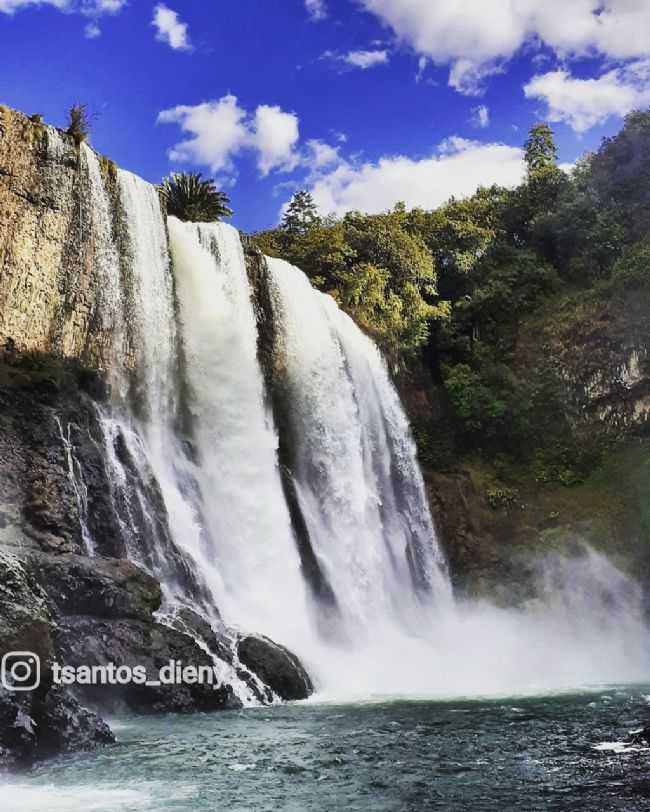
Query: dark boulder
[(89, 641), (105, 588), (25, 619), (35, 725), (276, 666), (64, 725), (17, 728)]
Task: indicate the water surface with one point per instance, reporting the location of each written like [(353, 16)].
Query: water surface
[(552, 753)]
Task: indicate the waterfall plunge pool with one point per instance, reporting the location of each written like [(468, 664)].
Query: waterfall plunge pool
[(557, 752)]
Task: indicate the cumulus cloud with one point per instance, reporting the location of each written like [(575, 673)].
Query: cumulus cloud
[(481, 116), (583, 103), (170, 29), (219, 130), (274, 136), (317, 9), (457, 168), (474, 37)]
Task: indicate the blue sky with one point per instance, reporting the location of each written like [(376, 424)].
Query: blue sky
[(365, 102)]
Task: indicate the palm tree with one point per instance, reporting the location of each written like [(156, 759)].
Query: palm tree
[(189, 196)]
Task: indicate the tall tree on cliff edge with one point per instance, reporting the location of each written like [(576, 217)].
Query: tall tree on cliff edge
[(301, 215)]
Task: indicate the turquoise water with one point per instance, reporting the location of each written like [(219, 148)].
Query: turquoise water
[(548, 753)]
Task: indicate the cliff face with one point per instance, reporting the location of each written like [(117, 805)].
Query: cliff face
[(49, 273), (495, 516)]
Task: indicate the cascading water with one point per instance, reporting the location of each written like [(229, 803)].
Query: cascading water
[(362, 496), (106, 261), (75, 475), (358, 483), (193, 455), (250, 546)]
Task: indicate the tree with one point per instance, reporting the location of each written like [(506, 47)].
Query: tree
[(78, 123), (191, 198), (541, 151), (301, 215)]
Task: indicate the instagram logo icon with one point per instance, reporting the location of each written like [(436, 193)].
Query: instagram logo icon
[(20, 671)]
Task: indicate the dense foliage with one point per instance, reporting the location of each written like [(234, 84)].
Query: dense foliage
[(192, 198), (462, 288)]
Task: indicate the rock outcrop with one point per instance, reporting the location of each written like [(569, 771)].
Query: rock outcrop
[(276, 666), (49, 278)]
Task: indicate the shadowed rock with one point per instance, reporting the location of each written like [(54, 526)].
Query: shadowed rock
[(275, 665)]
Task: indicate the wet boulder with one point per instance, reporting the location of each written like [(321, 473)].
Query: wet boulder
[(43, 723), (63, 725), (276, 666)]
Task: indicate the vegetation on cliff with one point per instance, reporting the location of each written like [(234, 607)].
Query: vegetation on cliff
[(190, 197), (497, 295)]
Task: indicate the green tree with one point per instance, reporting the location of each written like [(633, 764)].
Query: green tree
[(540, 148), (192, 198), (301, 215)]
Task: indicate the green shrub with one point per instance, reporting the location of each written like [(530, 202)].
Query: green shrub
[(502, 498), (192, 198)]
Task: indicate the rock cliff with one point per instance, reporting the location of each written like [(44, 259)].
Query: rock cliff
[(49, 278)]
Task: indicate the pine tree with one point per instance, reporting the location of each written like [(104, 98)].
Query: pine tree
[(301, 215), (540, 148)]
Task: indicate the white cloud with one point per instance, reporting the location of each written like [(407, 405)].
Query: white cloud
[(218, 131), (170, 29), (275, 136), (481, 116), (93, 7), (365, 59), (92, 30), (321, 154), (422, 66), (458, 168), (583, 103), (362, 59), (317, 9), (474, 37), (10, 6), (89, 8), (221, 129)]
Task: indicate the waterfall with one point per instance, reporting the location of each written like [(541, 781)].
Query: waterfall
[(106, 260), (354, 466), (249, 545), (75, 475), (261, 466)]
